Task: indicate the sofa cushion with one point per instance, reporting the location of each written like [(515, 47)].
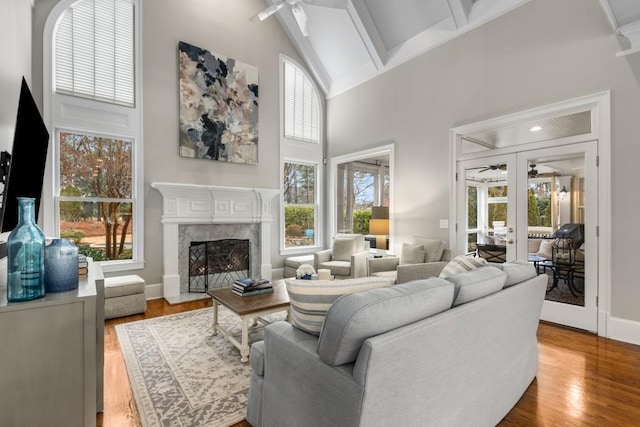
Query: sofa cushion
[(533, 245), (339, 268), (433, 248), (392, 274), (478, 283), (412, 254), (460, 264), (354, 318), (343, 248), (546, 248), (311, 299), (517, 271)]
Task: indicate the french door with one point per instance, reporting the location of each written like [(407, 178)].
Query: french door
[(513, 206)]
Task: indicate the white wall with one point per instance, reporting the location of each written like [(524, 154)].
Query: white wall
[(544, 52), (15, 45)]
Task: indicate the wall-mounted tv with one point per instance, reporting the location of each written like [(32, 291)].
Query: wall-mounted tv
[(27, 160)]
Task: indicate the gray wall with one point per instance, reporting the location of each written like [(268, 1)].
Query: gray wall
[(221, 26), (15, 45), (544, 52)]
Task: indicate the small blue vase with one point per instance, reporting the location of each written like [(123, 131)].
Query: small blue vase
[(25, 260), (60, 266)]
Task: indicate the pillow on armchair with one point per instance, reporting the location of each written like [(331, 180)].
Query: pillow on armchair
[(343, 248), (433, 248), (412, 254)]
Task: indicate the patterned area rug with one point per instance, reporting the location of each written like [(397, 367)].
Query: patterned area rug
[(182, 375)]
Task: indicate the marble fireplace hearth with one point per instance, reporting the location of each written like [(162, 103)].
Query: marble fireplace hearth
[(194, 212)]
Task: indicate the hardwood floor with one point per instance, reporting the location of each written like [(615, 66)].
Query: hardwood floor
[(583, 380)]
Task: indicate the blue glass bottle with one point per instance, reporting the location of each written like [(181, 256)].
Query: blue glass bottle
[(25, 260), (60, 266)]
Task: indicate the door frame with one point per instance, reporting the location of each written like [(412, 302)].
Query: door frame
[(599, 105)]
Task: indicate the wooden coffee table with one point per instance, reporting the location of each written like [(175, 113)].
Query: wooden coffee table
[(248, 308)]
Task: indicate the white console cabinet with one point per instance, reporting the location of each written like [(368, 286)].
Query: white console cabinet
[(51, 356)]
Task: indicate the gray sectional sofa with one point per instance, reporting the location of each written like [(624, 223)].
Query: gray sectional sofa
[(454, 351)]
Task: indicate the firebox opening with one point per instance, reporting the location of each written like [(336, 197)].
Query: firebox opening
[(218, 263)]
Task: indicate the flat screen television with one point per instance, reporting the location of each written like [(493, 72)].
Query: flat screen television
[(26, 163)]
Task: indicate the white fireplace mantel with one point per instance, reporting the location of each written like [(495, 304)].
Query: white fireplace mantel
[(208, 204)]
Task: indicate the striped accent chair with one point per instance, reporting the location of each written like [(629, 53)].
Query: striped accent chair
[(311, 299)]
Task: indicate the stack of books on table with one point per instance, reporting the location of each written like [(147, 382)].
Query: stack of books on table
[(248, 287), (82, 264)]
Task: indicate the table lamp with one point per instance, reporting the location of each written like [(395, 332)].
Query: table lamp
[(379, 225)]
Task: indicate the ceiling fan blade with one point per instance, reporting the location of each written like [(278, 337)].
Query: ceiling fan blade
[(484, 169), (261, 16), (334, 4), (301, 19)]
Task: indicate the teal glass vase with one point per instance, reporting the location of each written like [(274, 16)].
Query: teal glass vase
[(60, 266), (25, 256)]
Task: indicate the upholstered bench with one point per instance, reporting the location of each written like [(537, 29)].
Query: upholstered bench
[(291, 264), (124, 296)]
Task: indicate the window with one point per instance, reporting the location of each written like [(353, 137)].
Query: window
[(95, 194), (94, 55), (301, 159), (91, 86)]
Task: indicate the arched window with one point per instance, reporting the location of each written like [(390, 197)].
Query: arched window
[(91, 84), (302, 150)]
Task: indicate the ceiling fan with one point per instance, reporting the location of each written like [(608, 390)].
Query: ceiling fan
[(502, 167), (533, 172), (298, 11)]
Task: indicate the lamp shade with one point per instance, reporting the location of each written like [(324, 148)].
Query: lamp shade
[(379, 212), (379, 227)]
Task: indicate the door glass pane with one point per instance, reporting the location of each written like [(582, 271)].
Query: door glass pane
[(555, 192), (486, 215)]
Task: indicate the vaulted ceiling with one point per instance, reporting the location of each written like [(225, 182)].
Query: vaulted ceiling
[(346, 42)]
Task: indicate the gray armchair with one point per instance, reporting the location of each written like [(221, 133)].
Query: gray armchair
[(347, 257), (421, 259)]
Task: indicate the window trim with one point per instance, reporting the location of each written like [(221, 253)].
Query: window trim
[(301, 152), (97, 118)]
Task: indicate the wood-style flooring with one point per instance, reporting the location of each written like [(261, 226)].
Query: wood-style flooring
[(583, 380)]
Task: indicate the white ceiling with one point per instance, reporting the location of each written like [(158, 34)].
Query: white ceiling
[(351, 41)]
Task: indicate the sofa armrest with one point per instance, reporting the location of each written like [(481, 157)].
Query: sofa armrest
[(321, 256), (409, 272), (359, 264), (300, 388), (377, 265)]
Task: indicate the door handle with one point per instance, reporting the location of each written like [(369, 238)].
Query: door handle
[(510, 241)]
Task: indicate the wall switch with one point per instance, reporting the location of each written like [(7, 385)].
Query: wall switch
[(444, 223)]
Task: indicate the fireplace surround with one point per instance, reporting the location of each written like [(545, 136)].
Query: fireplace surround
[(188, 204)]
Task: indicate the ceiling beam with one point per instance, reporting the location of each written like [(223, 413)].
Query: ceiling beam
[(366, 28), (460, 10)]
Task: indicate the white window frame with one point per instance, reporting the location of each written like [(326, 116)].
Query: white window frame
[(306, 153), (82, 115)]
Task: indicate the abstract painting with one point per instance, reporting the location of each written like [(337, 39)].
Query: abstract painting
[(218, 107)]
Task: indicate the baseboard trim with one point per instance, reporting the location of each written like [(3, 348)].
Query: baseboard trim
[(154, 291), (624, 330), (277, 273)]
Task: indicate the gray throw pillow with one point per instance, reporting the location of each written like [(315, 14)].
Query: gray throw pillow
[(517, 271), (343, 249), (433, 248), (412, 254), (477, 284)]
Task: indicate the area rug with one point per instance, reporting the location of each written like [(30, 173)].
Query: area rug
[(182, 375)]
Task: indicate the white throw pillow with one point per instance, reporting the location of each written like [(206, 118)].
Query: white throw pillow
[(311, 299), (412, 254), (343, 249), (546, 248), (461, 264)]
